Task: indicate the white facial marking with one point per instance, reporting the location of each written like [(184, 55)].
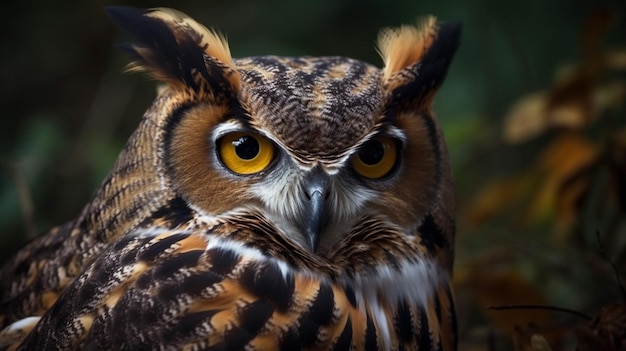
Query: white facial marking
[(286, 203)]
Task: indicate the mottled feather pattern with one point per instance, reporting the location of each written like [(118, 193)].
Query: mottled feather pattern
[(178, 251), (319, 94), (175, 289)]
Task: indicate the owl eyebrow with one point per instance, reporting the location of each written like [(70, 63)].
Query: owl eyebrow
[(235, 124), (230, 124), (388, 130), (395, 132)]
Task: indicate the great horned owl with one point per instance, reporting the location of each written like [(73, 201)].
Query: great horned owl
[(263, 203)]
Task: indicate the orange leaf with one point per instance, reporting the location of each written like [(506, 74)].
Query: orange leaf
[(567, 154), (527, 118)]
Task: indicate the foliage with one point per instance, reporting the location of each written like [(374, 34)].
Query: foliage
[(565, 210)]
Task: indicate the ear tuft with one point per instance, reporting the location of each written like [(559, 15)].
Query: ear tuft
[(402, 47), (214, 43), (174, 48), (417, 59)]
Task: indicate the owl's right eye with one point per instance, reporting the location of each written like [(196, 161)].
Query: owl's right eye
[(245, 153)]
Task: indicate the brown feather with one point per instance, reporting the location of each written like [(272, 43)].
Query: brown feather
[(404, 46)]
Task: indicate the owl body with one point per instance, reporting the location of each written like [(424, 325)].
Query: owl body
[(263, 203)]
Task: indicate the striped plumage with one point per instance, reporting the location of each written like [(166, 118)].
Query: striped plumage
[(341, 237)]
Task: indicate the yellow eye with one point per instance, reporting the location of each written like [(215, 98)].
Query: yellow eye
[(376, 158), (245, 153)]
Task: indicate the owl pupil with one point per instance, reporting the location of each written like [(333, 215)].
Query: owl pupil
[(371, 152), (246, 147)]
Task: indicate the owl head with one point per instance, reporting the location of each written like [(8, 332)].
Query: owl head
[(328, 163)]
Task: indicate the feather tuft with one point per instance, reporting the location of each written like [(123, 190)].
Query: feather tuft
[(417, 59), (176, 49), (213, 42), (404, 46)]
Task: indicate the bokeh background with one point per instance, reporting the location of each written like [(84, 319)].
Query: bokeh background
[(533, 109)]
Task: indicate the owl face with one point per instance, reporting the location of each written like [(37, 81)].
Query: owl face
[(310, 144), (333, 160)]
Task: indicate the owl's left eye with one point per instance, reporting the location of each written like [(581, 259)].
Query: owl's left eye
[(376, 158), (245, 153)]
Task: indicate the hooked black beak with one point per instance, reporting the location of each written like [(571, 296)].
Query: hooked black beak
[(316, 190)]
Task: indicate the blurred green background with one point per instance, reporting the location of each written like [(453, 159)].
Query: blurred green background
[(533, 110)]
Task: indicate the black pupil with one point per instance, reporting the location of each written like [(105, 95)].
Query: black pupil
[(372, 152), (246, 147)]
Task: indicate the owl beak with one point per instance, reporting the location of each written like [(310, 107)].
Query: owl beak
[(316, 191)]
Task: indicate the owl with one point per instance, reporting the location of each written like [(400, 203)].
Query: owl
[(263, 203)]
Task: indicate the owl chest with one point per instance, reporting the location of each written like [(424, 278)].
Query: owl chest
[(264, 305), (191, 295), (262, 308), (323, 315)]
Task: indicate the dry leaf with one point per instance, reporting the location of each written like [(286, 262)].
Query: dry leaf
[(581, 92), (527, 118), (539, 189), (594, 191), (566, 155)]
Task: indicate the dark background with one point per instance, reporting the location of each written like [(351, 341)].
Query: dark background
[(530, 211)]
